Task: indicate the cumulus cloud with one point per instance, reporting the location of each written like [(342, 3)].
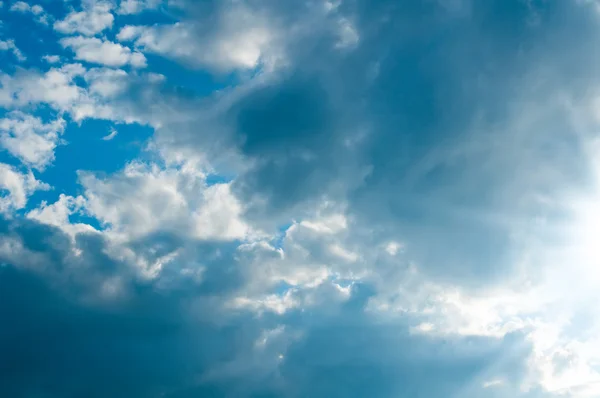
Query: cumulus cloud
[(16, 187), (95, 17), (241, 39), (87, 93), (176, 199), (103, 52), (54, 87), (29, 139)]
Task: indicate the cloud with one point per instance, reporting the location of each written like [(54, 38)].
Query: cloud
[(9, 45), (176, 199), (29, 139), (36, 10), (416, 160), (55, 87), (51, 59), (111, 135), (239, 40), (102, 93), (16, 187), (103, 52), (58, 215), (183, 320), (348, 35), (128, 7), (406, 192), (95, 17)]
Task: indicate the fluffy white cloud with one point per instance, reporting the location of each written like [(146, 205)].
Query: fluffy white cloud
[(57, 214), (16, 187), (29, 139), (103, 52), (106, 82), (95, 17), (94, 93), (145, 198), (241, 40), (9, 45), (55, 87)]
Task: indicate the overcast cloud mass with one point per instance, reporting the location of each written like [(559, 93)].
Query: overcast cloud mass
[(302, 198)]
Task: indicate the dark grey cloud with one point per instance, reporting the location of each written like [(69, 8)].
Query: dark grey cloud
[(440, 126), (171, 337), (60, 342)]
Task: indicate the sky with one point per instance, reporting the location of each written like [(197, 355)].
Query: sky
[(303, 198)]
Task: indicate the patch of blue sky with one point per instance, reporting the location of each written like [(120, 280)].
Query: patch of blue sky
[(215, 179), (282, 288), (277, 242), (82, 218), (86, 150), (33, 38)]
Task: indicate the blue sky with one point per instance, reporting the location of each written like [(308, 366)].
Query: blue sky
[(324, 198)]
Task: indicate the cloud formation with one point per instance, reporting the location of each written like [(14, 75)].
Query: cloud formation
[(95, 17), (318, 198), (107, 53)]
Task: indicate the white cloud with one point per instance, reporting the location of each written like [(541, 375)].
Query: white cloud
[(20, 6), (9, 45), (105, 82), (219, 216), (93, 19), (103, 52), (16, 187), (130, 32), (55, 87), (36, 10), (145, 197), (57, 214), (29, 139), (86, 93), (241, 40), (113, 133), (128, 7), (51, 59), (273, 303)]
